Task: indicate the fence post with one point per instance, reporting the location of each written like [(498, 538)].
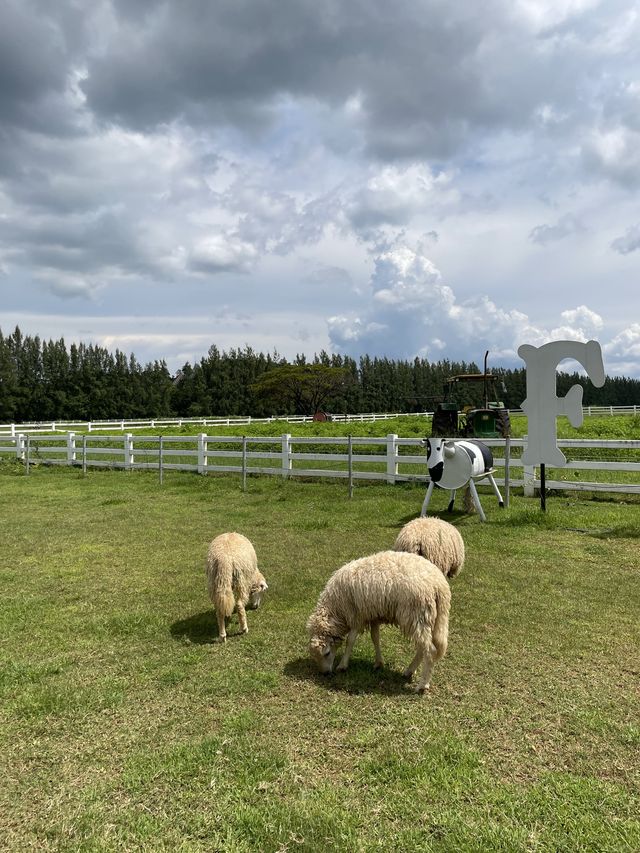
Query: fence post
[(27, 454), (13, 426), (71, 448), (244, 463), (128, 451), (507, 470), (529, 473), (287, 464), (20, 442), (202, 453), (84, 455), (160, 457), (350, 454), (392, 465)]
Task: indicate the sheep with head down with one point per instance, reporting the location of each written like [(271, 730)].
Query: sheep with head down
[(390, 587), (435, 540), (233, 579)]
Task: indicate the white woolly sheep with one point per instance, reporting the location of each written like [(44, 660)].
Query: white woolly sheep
[(390, 587), (435, 540), (233, 579)]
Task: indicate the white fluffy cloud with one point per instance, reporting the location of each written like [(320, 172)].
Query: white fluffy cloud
[(410, 312)]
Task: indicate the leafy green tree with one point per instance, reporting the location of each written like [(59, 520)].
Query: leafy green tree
[(304, 388)]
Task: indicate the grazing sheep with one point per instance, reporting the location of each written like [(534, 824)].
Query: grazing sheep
[(435, 540), (233, 579), (390, 587)]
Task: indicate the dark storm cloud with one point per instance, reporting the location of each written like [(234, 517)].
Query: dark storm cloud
[(40, 44), (419, 77)]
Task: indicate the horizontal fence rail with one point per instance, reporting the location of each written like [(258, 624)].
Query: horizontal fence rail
[(592, 464), (158, 423)]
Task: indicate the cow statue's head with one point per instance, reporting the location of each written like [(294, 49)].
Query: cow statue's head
[(438, 449)]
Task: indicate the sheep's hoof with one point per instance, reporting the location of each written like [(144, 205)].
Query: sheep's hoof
[(420, 688), (341, 668), (378, 664), (221, 639), (244, 630), (407, 674)]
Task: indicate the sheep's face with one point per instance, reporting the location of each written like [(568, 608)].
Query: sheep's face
[(258, 588), (323, 651)]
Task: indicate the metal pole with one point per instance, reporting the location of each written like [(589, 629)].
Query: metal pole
[(543, 488), (84, 455), (160, 457), (244, 463), (350, 452), (27, 460), (507, 469)]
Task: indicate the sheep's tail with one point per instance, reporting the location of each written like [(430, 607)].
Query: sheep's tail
[(219, 581), (440, 631)]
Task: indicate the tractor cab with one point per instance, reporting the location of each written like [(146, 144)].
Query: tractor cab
[(455, 419)]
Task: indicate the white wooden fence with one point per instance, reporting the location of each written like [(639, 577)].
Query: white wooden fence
[(159, 423), (14, 429), (390, 459)]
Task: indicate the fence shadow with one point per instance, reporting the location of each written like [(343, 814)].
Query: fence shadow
[(360, 678), (201, 628)]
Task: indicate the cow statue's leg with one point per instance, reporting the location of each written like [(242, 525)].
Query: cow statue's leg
[(427, 498), (476, 500), (496, 490)]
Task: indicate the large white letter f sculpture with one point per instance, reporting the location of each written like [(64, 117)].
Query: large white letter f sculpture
[(542, 406)]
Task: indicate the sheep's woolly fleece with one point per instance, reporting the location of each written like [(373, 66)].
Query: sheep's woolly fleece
[(388, 587), (435, 540)]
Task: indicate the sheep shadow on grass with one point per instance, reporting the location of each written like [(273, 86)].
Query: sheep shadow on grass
[(452, 517), (201, 629), (360, 678)]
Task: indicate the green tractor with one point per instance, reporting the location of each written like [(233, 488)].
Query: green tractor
[(452, 419)]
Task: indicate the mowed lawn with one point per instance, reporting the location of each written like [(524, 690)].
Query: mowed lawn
[(123, 726)]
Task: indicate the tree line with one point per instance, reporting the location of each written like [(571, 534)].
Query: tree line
[(46, 380)]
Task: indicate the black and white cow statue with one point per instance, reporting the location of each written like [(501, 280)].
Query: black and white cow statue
[(453, 464)]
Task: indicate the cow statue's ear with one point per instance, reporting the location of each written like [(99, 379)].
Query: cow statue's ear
[(449, 449)]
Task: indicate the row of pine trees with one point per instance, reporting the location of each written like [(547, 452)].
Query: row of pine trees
[(46, 380)]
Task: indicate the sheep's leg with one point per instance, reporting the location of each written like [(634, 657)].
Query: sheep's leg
[(427, 666), (408, 672), (351, 639), (222, 630), (375, 636), (242, 618)]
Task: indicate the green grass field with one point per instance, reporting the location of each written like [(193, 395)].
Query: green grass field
[(123, 726)]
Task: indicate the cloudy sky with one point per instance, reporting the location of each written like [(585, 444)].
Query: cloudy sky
[(422, 177)]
